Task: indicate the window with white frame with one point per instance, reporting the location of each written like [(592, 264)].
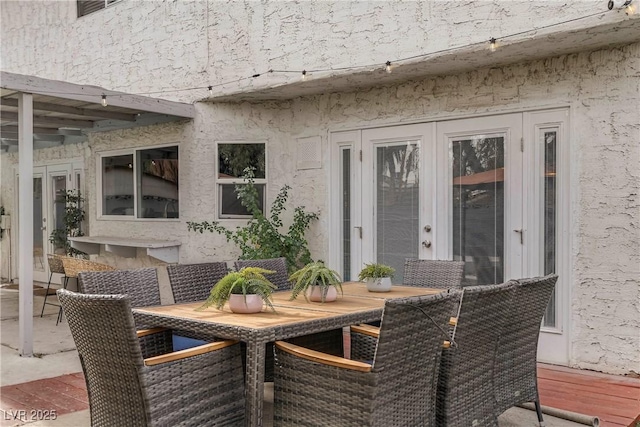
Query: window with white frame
[(86, 7), (233, 159), (140, 183)]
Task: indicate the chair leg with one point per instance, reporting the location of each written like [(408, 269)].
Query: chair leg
[(64, 286), (46, 294), (539, 412)]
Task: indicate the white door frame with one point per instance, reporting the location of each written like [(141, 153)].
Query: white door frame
[(555, 344), (72, 169)]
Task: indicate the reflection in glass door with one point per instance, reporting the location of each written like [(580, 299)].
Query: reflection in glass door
[(396, 212), (478, 207)]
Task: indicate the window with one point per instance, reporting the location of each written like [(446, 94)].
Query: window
[(233, 158), (86, 7), (142, 183)]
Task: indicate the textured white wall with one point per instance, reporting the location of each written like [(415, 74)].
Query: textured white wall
[(150, 46), (601, 87)]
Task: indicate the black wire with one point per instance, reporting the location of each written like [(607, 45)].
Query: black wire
[(319, 70)]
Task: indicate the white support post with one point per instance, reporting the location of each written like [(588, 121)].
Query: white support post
[(25, 229)]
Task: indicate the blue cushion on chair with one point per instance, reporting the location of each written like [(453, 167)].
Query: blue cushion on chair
[(181, 343)]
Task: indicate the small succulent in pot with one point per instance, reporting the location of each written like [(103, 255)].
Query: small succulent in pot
[(316, 282), (377, 277), (246, 290)]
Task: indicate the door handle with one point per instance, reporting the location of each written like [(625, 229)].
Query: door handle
[(426, 243)]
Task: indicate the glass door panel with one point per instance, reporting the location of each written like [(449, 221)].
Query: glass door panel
[(549, 143), (59, 189), (39, 229), (397, 204), (478, 207)]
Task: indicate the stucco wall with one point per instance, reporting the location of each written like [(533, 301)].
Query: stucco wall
[(602, 89), (151, 46)]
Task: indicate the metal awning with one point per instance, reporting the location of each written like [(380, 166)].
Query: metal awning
[(36, 113), (65, 112)]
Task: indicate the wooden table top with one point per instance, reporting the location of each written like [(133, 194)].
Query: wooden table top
[(356, 298)]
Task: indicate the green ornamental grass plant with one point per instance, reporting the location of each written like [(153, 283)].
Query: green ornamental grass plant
[(247, 281), (376, 271), (314, 274)]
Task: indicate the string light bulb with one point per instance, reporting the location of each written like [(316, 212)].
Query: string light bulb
[(104, 100), (493, 45), (631, 8), (388, 67), (210, 90), (304, 75)]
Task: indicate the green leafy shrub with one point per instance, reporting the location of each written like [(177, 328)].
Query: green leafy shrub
[(375, 271), (262, 237), (247, 281)]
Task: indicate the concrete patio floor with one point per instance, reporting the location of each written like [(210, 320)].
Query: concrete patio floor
[(55, 355)]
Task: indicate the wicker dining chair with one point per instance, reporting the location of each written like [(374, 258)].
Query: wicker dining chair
[(436, 274), (141, 286), (396, 389), (202, 386), (515, 372), (193, 282), (55, 267), (73, 266), (465, 394), (281, 276)]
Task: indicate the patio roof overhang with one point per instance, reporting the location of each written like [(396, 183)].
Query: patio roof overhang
[(611, 28), (37, 112), (65, 112)]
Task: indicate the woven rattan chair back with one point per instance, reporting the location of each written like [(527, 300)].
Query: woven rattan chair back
[(193, 282), (55, 264), (465, 385), (399, 390), (201, 390), (73, 266), (515, 372), (140, 285), (280, 278), (436, 274)]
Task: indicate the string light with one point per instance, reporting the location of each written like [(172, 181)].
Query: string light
[(630, 9), (492, 44)]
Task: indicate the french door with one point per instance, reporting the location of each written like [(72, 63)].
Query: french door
[(49, 186), (482, 190)]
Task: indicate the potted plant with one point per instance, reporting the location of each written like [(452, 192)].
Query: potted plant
[(316, 282), (377, 277), (246, 291)]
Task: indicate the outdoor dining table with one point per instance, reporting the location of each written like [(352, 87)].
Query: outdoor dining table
[(291, 319)]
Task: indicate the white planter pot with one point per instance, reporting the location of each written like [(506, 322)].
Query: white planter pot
[(380, 284), (314, 293), (239, 303)]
